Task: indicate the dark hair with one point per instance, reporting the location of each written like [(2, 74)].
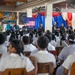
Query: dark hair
[(71, 39), (48, 32), (42, 42), (63, 37), (53, 37), (18, 45), (2, 38), (25, 39), (56, 33), (48, 36)]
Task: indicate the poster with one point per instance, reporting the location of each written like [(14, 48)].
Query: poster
[(22, 16), (8, 16)]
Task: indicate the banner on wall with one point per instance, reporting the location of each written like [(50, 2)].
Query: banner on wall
[(8, 16), (30, 22)]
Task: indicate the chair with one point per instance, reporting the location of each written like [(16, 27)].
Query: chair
[(54, 53), (58, 50), (34, 61), (72, 72), (15, 71), (27, 53), (45, 68)]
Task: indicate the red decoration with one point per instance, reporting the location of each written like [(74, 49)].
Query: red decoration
[(55, 14)]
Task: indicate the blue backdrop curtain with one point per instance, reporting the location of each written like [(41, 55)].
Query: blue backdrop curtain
[(39, 20), (59, 21)]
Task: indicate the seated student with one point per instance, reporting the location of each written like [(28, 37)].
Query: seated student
[(27, 44), (42, 55), (65, 52), (62, 41), (53, 41), (14, 59), (3, 49), (68, 63), (57, 36), (50, 47)]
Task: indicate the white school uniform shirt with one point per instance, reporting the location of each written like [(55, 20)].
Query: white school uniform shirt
[(66, 51), (50, 47), (57, 39), (43, 56), (35, 40), (63, 44), (68, 62), (29, 47), (3, 49), (15, 61), (8, 37), (6, 43), (53, 43)]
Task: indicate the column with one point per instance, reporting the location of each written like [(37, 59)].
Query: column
[(48, 20), (29, 12)]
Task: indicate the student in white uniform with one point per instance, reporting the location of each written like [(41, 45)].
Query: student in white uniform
[(68, 63), (14, 59), (42, 55), (50, 47), (53, 41), (65, 52), (62, 41), (27, 44), (3, 49)]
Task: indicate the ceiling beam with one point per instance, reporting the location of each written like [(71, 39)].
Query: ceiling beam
[(15, 0), (10, 3)]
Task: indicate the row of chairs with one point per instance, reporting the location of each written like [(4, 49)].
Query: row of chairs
[(22, 71), (39, 68), (55, 53)]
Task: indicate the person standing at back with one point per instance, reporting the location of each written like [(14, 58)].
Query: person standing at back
[(8, 26)]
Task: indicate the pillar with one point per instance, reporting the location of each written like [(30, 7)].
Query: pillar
[(48, 20), (29, 12)]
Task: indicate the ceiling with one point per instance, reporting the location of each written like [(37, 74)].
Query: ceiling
[(11, 2)]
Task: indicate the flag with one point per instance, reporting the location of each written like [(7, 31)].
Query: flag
[(30, 21)]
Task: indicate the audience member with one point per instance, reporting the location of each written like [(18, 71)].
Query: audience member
[(42, 55), (14, 59), (3, 49)]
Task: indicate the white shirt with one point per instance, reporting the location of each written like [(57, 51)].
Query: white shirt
[(29, 47), (3, 49), (68, 62), (43, 56), (35, 40), (63, 44), (66, 51), (57, 39), (51, 47), (53, 43), (15, 61), (6, 43)]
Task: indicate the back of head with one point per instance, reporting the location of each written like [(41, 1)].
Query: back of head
[(53, 37), (71, 39), (2, 38), (18, 45), (48, 32), (26, 39), (42, 42), (48, 36), (63, 37), (56, 33)]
